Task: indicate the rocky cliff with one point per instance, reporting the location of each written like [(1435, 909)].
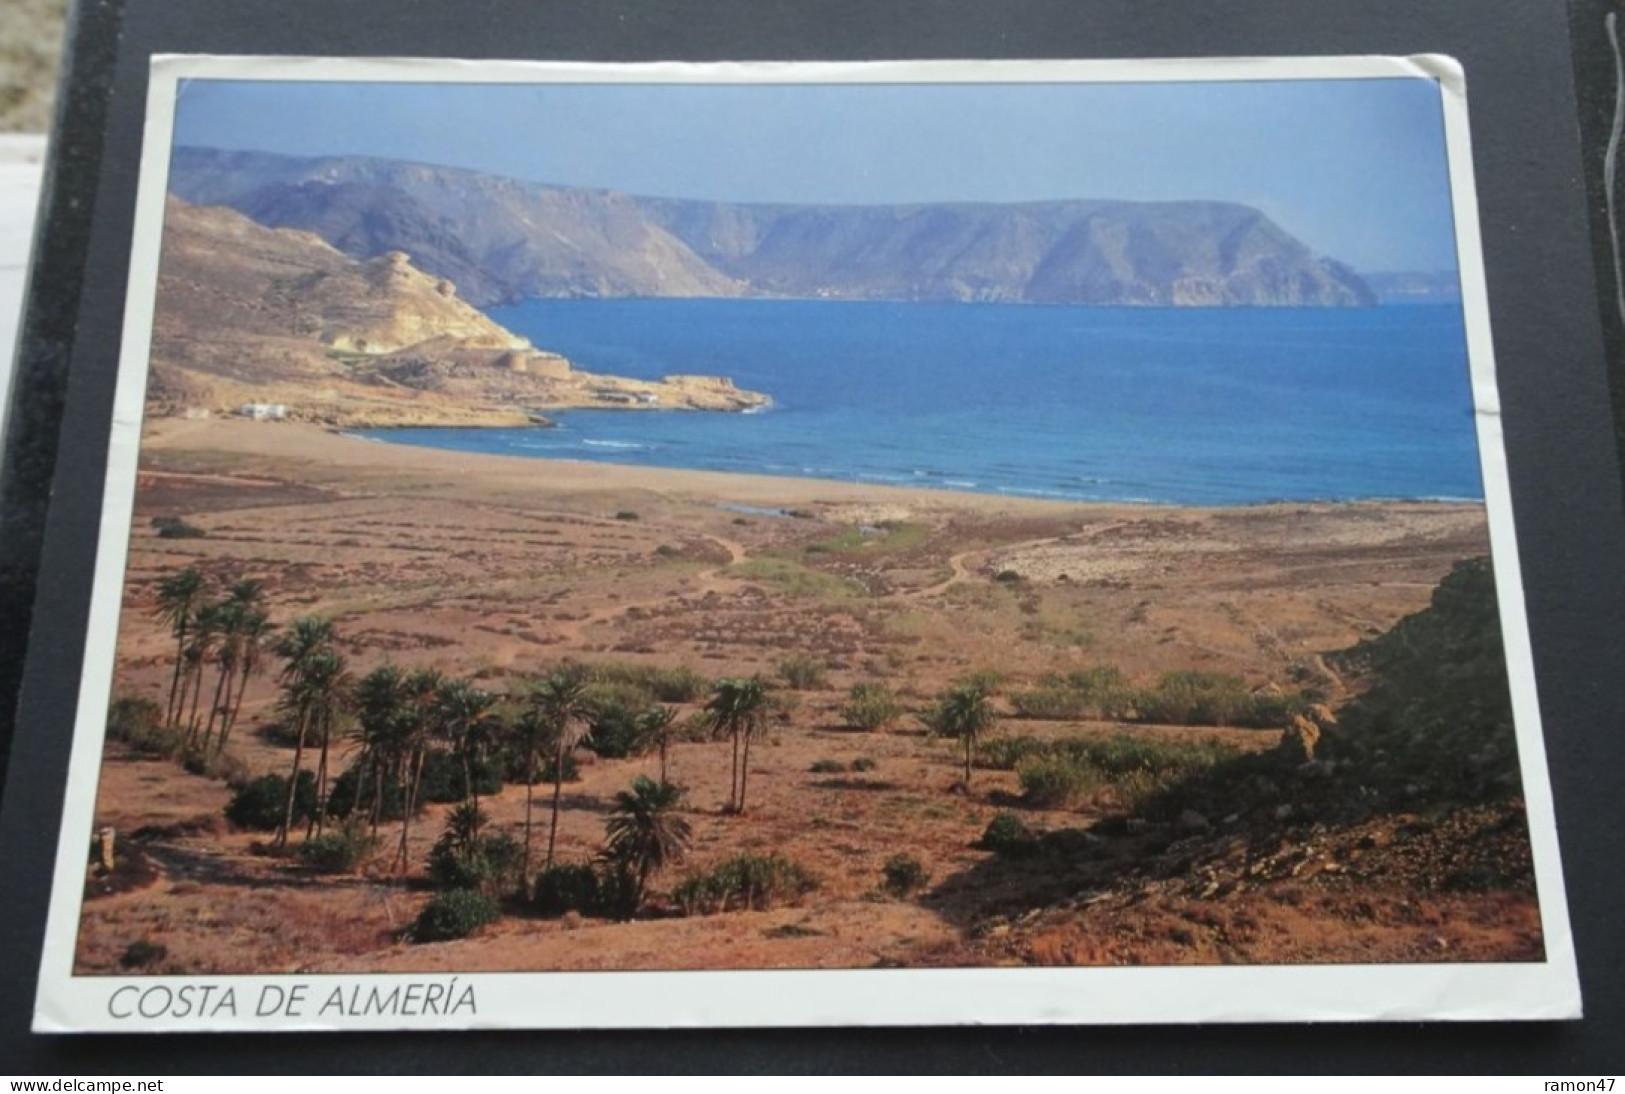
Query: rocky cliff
[(504, 240), (1119, 253), (247, 314)]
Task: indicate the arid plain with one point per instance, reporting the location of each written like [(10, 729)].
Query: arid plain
[(497, 569)]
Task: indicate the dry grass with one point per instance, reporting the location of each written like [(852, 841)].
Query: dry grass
[(496, 568)]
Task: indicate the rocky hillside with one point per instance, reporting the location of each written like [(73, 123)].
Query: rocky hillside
[(503, 240), (221, 267), (247, 313), (500, 240), (1179, 254), (1399, 820)]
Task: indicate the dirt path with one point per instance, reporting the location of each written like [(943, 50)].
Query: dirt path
[(962, 570), (704, 582), (219, 480)]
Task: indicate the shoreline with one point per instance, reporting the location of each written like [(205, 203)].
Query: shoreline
[(338, 455)]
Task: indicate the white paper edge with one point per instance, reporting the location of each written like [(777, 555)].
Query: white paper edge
[(1478, 992)]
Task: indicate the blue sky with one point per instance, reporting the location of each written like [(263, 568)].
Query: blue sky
[(1355, 168)]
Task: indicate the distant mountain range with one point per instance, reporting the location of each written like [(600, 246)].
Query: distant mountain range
[(502, 240)]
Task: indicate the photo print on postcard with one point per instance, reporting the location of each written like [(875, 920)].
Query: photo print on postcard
[(826, 543)]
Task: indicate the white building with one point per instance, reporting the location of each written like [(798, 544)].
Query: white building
[(261, 412)]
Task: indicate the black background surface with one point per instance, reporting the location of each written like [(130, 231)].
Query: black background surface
[(1555, 387)]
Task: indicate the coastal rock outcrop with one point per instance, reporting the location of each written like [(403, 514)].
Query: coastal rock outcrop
[(249, 315)]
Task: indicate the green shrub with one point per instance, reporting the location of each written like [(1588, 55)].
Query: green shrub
[(1273, 709), (698, 893), (465, 858), (615, 727), (142, 953), (1057, 782), (616, 734), (1049, 701), (546, 770), (568, 887), (490, 864), (353, 791), (1182, 697), (668, 685), (627, 514), (904, 875), (457, 913), (1195, 698), (619, 892), (678, 685), (987, 681), (172, 527), (864, 763), (871, 706), (259, 806), (1103, 687), (746, 881), (338, 852), (280, 732), (1007, 753), (803, 673), (138, 724), (1123, 754), (229, 768), (828, 767), (1098, 692), (1007, 577), (1068, 770), (1007, 833), (443, 779)]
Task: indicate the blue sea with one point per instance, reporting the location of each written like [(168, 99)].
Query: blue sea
[(1187, 406)]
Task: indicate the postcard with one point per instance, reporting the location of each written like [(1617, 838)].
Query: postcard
[(598, 545)]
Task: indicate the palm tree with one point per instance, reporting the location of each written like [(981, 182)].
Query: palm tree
[(307, 643), (253, 629), (331, 687), (178, 598), (417, 733), (966, 712), (656, 724), (561, 702), (531, 740), (379, 707), (644, 834), (244, 601), (738, 709), (208, 624), (467, 721), (307, 638), (227, 651)]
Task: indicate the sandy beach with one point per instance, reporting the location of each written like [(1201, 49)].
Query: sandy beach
[(319, 456)]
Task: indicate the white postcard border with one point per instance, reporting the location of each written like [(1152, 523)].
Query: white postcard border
[(67, 1003)]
